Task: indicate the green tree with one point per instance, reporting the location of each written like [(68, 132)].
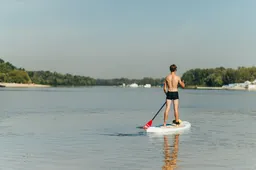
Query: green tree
[(219, 76)]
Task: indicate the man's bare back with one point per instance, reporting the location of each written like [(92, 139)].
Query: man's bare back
[(172, 82)]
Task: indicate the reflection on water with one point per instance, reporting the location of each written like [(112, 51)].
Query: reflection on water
[(170, 158)]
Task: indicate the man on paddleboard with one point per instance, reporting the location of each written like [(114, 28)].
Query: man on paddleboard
[(171, 90)]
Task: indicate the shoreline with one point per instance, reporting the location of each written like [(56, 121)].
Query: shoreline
[(32, 85), (237, 88), (204, 88), (18, 85)]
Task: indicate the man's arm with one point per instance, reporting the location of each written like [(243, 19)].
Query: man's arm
[(182, 84), (165, 86)]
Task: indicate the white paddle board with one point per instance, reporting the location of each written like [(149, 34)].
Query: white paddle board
[(184, 125)]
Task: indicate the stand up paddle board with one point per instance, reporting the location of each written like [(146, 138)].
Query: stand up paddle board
[(184, 125)]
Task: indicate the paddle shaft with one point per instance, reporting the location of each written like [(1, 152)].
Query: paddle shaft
[(158, 111)]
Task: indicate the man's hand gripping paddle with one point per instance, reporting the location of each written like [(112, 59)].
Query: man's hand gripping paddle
[(150, 122)]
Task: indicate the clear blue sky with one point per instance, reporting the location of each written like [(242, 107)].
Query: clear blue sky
[(127, 38)]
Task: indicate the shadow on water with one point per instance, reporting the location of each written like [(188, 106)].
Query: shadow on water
[(139, 127), (127, 134)]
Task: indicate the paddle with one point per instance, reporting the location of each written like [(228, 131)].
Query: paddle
[(150, 122)]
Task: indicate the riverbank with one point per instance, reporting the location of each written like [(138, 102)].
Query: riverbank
[(253, 88), (19, 85), (204, 88)]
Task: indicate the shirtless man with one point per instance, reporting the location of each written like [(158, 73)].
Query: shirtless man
[(171, 90)]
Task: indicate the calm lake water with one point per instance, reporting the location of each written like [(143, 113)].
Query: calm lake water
[(95, 128)]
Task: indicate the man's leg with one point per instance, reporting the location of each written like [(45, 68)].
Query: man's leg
[(176, 109), (167, 109)]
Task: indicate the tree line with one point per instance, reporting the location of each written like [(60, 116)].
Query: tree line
[(58, 79), (11, 74), (126, 81), (194, 77), (219, 76)]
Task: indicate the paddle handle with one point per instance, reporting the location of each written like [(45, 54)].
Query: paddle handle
[(158, 111)]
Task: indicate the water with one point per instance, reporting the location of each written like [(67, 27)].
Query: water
[(95, 128)]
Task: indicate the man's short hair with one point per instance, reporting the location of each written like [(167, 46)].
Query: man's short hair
[(173, 67)]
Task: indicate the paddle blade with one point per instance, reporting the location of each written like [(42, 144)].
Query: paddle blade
[(148, 124)]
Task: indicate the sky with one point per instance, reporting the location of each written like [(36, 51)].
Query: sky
[(127, 38)]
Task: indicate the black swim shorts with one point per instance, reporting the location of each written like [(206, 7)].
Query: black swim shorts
[(172, 95)]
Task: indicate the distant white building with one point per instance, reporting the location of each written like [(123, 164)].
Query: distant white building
[(241, 86), (254, 82), (247, 83), (147, 85), (134, 85), (251, 87)]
